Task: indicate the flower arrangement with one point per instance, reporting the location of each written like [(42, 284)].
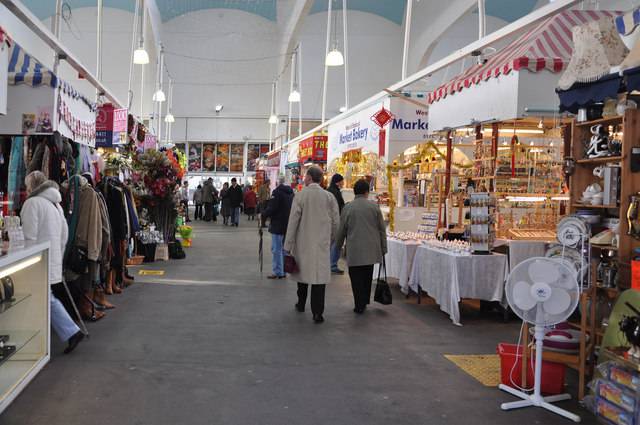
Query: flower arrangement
[(156, 175)]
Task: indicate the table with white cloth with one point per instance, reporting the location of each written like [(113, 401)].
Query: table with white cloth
[(399, 260), (520, 250), (448, 277)]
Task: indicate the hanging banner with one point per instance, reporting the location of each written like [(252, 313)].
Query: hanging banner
[(4, 71), (313, 149), (273, 160), (120, 122), (292, 154), (74, 119), (149, 141), (104, 126)]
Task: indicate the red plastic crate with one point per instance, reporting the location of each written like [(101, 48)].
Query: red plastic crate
[(552, 373)]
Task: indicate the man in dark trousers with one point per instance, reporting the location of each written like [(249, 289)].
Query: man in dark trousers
[(278, 209), (235, 200), (207, 198), (337, 181)]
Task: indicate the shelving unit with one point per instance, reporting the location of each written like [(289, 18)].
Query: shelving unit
[(25, 319)]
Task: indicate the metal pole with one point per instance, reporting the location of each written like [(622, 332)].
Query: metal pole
[(481, 19), (407, 36), (346, 54), (290, 90), (55, 28), (99, 47), (326, 68), (160, 83), (143, 25), (299, 69), (133, 48)]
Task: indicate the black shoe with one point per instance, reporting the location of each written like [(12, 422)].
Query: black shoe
[(74, 341), (317, 318), (358, 310), (299, 309)]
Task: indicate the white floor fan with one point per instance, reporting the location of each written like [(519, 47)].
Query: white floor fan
[(543, 292)]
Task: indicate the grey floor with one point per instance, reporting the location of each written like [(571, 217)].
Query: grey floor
[(212, 342)]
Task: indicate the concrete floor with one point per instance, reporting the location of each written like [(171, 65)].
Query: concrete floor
[(211, 342)]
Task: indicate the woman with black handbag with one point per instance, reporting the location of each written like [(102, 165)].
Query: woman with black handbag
[(362, 226)]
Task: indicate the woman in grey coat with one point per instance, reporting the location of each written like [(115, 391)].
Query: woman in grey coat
[(362, 226)]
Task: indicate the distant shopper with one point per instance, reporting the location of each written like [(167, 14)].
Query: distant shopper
[(264, 193), (250, 203), (225, 208), (43, 221), (235, 201), (337, 182), (313, 225), (362, 226), (184, 200), (197, 201), (278, 210), (207, 199)]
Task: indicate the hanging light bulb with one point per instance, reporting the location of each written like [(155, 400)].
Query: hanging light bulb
[(335, 58), (140, 55), (159, 96), (273, 119), (343, 109), (169, 118), (294, 96)]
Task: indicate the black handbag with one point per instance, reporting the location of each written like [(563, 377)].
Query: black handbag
[(77, 260), (383, 291), (290, 265)]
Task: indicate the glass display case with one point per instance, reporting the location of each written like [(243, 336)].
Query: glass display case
[(24, 318)]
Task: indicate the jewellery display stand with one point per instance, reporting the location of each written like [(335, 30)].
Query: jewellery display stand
[(24, 320)]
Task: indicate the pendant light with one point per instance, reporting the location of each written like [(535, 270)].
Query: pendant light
[(159, 96), (335, 58), (273, 118), (294, 96), (140, 55), (169, 118)]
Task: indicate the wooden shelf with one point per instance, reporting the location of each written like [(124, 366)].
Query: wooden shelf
[(600, 160), (483, 178), (602, 207), (607, 120), (608, 247)]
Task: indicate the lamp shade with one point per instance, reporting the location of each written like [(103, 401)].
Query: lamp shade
[(335, 58), (294, 96), (273, 119), (140, 56), (169, 118), (159, 96)]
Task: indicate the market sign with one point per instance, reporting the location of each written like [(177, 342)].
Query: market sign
[(149, 141), (273, 160), (313, 149), (120, 123), (292, 153), (111, 126)]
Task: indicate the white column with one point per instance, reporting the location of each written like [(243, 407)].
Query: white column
[(407, 38), (326, 70), (346, 53)]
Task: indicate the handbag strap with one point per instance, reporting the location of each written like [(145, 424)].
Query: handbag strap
[(382, 266)]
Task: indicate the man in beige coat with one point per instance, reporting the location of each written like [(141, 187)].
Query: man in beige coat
[(313, 225)]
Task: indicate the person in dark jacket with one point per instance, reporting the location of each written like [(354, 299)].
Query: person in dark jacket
[(225, 209), (235, 201), (337, 182), (278, 209), (207, 199)]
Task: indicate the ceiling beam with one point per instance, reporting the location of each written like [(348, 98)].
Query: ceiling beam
[(34, 24)]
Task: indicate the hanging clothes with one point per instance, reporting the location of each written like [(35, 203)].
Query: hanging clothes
[(17, 173)]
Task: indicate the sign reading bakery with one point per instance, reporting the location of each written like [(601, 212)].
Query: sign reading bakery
[(313, 149), (359, 131)]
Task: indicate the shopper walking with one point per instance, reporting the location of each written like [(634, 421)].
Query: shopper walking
[(362, 226), (197, 201), (43, 221), (278, 210), (207, 199), (313, 224), (337, 182), (264, 193), (250, 203), (184, 200), (235, 201), (225, 208)]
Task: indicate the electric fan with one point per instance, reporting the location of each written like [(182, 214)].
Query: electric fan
[(543, 292)]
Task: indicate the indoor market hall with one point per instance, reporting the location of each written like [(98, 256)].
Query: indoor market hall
[(268, 212)]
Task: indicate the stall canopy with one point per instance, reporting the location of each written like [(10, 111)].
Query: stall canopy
[(24, 69), (547, 46)]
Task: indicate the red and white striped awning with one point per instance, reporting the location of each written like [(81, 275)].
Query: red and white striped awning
[(547, 46)]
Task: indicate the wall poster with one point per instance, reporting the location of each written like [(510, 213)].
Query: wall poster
[(209, 157), (195, 157), (253, 154), (237, 157), (222, 159)]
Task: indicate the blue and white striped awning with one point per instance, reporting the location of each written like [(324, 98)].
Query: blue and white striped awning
[(24, 69), (628, 22)]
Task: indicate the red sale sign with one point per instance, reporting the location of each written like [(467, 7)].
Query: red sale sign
[(313, 149)]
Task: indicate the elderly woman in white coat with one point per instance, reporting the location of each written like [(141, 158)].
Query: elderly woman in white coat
[(43, 220), (313, 225)]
